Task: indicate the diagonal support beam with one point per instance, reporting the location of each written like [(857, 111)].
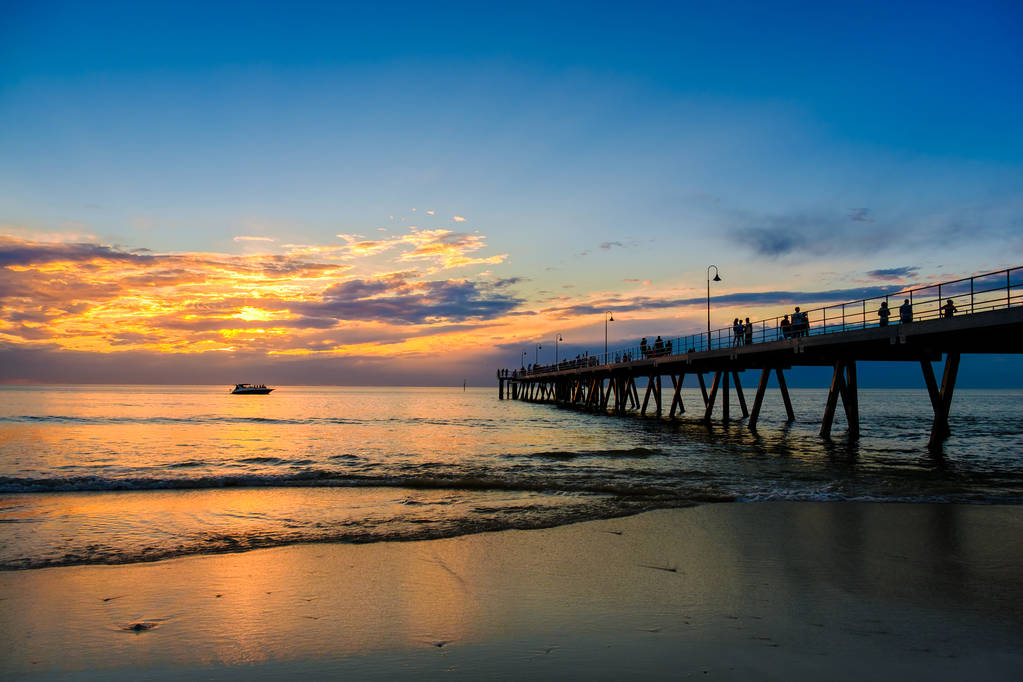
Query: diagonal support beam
[(783, 387), (712, 397), (646, 396), (940, 429), (739, 395), (758, 399), (676, 398)]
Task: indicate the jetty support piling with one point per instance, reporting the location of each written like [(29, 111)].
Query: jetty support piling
[(739, 395), (843, 385), (712, 397), (783, 387), (941, 400), (724, 397), (758, 399), (676, 398)]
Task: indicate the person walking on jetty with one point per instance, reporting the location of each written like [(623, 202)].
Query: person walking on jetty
[(658, 346), (949, 309), (884, 314), (737, 332), (906, 312), (642, 348), (747, 331)]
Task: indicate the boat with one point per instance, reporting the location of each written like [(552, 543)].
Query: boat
[(250, 389)]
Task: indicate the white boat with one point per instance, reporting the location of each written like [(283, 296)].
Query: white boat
[(250, 389)]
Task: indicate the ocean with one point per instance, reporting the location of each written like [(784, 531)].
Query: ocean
[(122, 474)]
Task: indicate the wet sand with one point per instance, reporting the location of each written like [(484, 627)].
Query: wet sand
[(843, 591)]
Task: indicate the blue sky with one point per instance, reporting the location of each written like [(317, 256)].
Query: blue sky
[(603, 150)]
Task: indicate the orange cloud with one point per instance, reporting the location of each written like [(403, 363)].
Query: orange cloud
[(91, 297)]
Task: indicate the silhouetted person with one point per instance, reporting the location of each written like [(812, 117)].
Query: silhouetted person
[(883, 313), (949, 309), (800, 325), (658, 346), (747, 330), (667, 347), (642, 348), (736, 332), (786, 327), (905, 312)]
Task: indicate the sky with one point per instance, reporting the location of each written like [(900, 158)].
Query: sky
[(361, 193)]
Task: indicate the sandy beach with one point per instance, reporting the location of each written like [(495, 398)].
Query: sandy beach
[(732, 591)]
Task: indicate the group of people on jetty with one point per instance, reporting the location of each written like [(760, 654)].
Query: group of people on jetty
[(791, 326)]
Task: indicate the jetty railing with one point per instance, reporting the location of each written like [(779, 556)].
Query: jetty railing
[(979, 293)]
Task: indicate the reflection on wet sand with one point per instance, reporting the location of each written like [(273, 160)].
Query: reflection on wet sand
[(856, 585)]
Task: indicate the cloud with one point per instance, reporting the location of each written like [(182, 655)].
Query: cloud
[(448, 249), (431, 212), (395, 299), (893, 274), (819, 233), (14, 251), (636, 303), (99, 298), (247, 238), (607, 246), (458, 219)]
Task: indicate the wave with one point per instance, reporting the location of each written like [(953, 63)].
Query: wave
[(325, 479), (628, 453), (358, 533)]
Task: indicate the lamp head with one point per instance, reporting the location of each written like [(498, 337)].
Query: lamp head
[(716, 277), (611, 319)]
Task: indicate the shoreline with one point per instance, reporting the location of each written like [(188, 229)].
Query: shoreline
[(761, 589)]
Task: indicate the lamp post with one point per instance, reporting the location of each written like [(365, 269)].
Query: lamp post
[(556, 339), (717, 278), (523, 359), (608, 317), (536, 360)]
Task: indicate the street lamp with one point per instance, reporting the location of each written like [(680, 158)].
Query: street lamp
[(608, 317), (536, 360), (556, 339), (523, 359), (717, 278)]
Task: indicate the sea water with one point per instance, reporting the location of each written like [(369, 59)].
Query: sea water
[(115, 474)]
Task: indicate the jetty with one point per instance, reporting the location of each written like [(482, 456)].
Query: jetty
[(985, 316)]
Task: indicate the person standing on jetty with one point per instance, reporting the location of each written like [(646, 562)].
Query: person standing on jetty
[(737, 332), (906, 312), (949, 309), (786, 327), (747, 330), (884, 313)]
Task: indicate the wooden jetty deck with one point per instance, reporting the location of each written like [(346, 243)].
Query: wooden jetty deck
[(989, 320)]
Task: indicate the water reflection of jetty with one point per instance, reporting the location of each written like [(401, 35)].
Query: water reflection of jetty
[(981, 314)]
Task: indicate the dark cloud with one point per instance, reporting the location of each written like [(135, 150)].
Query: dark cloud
[(892, 274), (607, 246), (18, 252), (395, 300), (860, 215), (822, 234), (747, 298)]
